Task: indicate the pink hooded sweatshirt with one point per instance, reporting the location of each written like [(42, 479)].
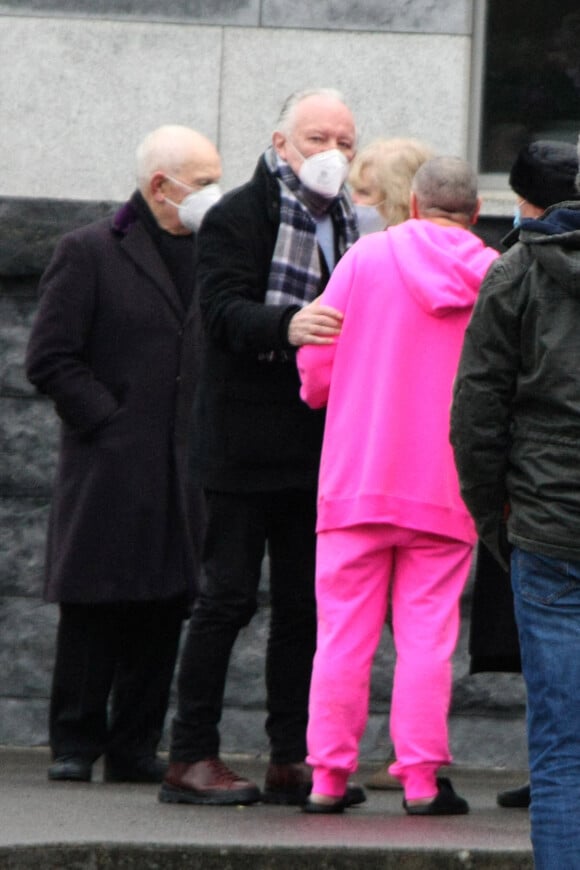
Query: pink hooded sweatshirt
[(406, 295)]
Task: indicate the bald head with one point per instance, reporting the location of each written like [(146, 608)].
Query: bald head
[(169, 149), (172, 162), (445, 188)]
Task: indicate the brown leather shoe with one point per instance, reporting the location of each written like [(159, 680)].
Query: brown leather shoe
[(208, 781), (287, 784)]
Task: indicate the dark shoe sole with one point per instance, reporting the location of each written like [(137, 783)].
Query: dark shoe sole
[(515, 798), (461, 808), (354, 796), (334, 809), (169, 794), (70, 775)]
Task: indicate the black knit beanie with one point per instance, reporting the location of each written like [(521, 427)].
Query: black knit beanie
[(545, 172)]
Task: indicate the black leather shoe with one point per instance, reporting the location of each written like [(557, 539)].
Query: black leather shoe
[(287, 784), (515, 798), (150, 769), (445, 803), (67, 768)]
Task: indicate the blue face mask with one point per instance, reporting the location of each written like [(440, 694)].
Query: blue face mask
[(517, 217), (369, 219)]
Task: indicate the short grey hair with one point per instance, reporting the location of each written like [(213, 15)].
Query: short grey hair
[(446, 187), (285, 118)]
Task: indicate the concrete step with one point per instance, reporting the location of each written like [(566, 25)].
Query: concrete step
[(67, 826)]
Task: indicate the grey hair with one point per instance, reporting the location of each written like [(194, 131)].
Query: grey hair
[(285, 118), (446, 187)]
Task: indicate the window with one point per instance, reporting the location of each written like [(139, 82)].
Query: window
[(528, 54)]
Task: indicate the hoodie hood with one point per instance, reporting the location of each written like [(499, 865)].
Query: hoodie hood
[(441, 266), (554, 241)]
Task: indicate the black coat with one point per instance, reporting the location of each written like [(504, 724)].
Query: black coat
[(256, 432), (114, 349)]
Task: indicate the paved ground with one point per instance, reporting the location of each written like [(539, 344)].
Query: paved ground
[(52, 826)]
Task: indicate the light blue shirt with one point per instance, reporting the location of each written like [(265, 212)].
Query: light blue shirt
[(325, 238)]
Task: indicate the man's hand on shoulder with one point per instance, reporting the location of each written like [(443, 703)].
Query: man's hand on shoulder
[(315, 324)]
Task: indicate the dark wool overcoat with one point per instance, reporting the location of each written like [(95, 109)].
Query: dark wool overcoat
[(115, 350)]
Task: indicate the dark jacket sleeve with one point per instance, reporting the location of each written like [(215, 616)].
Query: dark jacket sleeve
[(57, 354), (482, 397), (235, 247)]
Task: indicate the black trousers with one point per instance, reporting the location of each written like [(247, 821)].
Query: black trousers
[(239, 526), (112, 677), (493, 634)]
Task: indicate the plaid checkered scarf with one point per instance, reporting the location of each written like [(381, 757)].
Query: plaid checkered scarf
[(295, 271)]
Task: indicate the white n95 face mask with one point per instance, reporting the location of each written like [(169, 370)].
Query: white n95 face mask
[(192, 209), (325, 172)]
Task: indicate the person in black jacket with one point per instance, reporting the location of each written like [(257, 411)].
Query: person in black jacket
[(515, 430), (265, 254), (116, 346), (543, 173)]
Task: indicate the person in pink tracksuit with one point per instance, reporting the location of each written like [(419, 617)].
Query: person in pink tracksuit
[(389, 509)]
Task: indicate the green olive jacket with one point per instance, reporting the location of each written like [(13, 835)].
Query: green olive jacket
[(515, 418)]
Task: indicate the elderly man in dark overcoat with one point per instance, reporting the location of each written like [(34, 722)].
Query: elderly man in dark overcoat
[(115, 345)]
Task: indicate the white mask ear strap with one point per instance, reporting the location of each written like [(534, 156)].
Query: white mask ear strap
[(178, 181)]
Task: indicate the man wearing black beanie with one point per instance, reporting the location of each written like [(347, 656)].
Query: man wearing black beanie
[(543, 174)]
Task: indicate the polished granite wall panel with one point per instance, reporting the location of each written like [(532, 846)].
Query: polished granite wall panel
[(74, 115), (389, 94), (79, 95)]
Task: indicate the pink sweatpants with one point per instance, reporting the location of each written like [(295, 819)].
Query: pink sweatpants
[(426, 573)]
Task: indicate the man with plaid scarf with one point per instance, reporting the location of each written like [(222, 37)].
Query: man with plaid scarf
[(265, 254)]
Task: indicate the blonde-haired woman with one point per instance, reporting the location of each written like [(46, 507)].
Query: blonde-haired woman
[(380, 181)]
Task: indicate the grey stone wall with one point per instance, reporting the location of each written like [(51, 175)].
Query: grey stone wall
[(85, 80), (28, 440), (487, 721), (419, 16)]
